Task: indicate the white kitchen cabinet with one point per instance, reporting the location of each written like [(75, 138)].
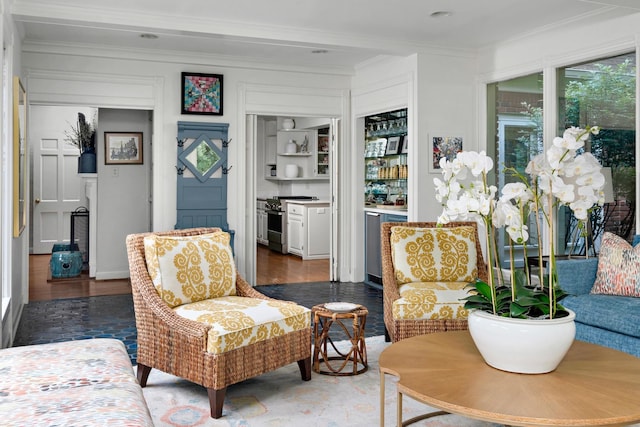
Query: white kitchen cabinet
[(271, 142), (295, 228), (261, 222), (319, 220), (308, 229)]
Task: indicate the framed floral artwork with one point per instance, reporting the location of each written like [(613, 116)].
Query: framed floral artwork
[(443, 145), (202, 94)]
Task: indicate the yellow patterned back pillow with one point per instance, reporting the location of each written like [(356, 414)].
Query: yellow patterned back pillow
[(445, 254), (187, 269)]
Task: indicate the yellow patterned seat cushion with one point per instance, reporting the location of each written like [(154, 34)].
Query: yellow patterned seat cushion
[(239, 321), (446, 254), (430, 300), (187, 269)]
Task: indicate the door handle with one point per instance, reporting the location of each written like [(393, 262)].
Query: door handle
[(37, 201)]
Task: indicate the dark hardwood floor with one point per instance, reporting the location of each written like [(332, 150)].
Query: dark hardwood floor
[(272, 268)]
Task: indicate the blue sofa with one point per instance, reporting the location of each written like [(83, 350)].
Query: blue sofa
[(608, 320)]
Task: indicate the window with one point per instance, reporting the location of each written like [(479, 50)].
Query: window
[(514, 125), (602, 93)]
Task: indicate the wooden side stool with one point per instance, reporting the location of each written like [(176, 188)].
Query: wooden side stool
[(323, 319)]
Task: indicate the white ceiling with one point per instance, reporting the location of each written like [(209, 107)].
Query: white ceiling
[(285, 32)]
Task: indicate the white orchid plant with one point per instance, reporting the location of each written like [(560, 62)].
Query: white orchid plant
[(563, 175)]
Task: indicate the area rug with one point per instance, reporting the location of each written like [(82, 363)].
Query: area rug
[(281, 399)]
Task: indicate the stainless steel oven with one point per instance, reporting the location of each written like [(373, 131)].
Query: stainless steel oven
[(276, 231), (277, 221)]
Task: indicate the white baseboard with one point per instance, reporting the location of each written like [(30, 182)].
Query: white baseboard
[(112, 275)]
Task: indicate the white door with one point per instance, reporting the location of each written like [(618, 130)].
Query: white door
[(57, 188), (334, 137)]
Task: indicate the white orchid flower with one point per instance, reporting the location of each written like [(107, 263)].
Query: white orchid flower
[(537, 165), (518, 234), (576, 134), (517, 191), (504, 214), (581, 208), (442, 190), (593, 179), (477, 163), (443, 218), (555, 157), (564, 192)]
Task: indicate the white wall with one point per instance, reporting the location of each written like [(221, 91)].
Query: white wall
[(14, 261), (123, 193), (558, 47), (446, 100), (383, 85), (439, 92), (147, 83)]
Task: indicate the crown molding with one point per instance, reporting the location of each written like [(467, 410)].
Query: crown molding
[(173, 57)]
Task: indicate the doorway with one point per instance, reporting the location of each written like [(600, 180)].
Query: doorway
[(302, 144), (57, 189), (124, 190)]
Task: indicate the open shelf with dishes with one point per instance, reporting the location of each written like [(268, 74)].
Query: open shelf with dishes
[(386, 153)]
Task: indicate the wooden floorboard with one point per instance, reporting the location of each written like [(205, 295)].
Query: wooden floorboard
[(276, 268), (272, 268), (42, 289)]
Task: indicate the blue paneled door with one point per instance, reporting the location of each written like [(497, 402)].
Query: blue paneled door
[(202, 175)]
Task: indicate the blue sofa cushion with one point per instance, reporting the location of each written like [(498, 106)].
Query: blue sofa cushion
[(609, 312), (576, 276)]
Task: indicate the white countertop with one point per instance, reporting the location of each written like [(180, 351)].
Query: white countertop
[(307, 202), (401, 212)]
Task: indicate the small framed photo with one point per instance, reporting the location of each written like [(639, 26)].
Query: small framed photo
[(444, 145), (123, 148), (201, 94), (405, 144), (393, 145)]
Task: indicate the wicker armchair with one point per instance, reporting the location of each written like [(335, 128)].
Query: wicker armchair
[(178, 346), (397, 329)]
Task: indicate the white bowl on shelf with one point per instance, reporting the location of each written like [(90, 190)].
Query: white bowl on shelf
[(291, 171), (288, 124)]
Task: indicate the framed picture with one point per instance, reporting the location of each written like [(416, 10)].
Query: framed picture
[(123, 148), (405, 144), (19, 156), (446, 146), (393, 145), (201, 94)]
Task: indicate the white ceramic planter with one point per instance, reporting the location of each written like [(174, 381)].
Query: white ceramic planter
[(522, 345), (291, 171), (291, 147)]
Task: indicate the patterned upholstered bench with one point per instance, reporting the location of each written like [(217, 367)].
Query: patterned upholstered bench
[(87, 382)]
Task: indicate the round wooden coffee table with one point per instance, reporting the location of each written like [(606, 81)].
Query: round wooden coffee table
[(352, 361), (593, 386)]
